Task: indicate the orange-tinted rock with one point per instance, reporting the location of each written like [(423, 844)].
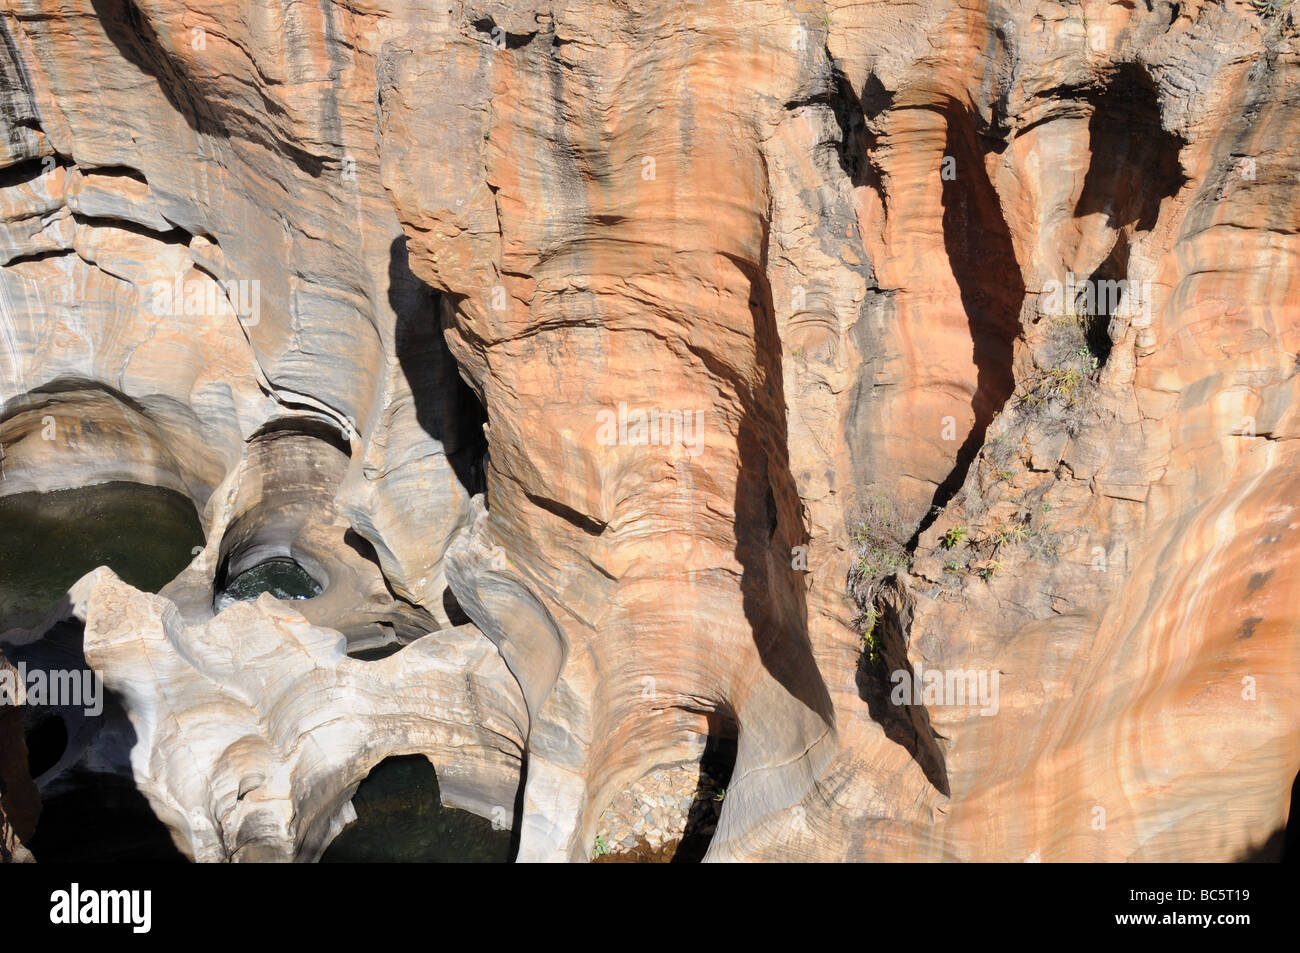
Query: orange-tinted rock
[(827, 241)]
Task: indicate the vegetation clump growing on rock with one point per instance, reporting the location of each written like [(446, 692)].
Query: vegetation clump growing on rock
[(880, 538), (1059, 389)]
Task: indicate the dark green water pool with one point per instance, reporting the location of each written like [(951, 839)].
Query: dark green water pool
[(148, 535), (48, 541), (400, 819), (282, 578)]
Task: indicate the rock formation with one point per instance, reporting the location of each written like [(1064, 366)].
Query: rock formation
[(19, 801), (654, 376)]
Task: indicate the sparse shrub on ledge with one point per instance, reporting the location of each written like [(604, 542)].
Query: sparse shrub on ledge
[(880, 540), (1059, 389)]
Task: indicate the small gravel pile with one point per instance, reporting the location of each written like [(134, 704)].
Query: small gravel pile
[(650, 820)]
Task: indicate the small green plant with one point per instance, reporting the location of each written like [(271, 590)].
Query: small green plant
[(1067, 368), (1058, 383), (953, 537), (1046, 545), (1009, 534), (999, 453), (879, 561), (954, 567), (990, 569), (721, 795), (880, 540), (870, 638), (601, 847)]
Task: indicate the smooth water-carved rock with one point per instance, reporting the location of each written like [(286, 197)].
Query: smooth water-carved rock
[(252, 730), (368, 285)]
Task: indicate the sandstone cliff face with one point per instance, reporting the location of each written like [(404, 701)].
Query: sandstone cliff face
[(386, 289)]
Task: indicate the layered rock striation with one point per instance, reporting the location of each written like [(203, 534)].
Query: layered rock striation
[(659, 379)]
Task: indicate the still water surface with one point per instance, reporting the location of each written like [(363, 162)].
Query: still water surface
[(145, 534)]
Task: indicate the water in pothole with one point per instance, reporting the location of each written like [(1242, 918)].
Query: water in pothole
[(400, 819), (145, 534), (281, 577)]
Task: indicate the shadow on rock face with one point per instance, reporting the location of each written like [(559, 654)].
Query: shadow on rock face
[(1284, 843), (1135, 162), (445, 406), (716, 766), (102, 818), (89, 816), (769, 522), (1291, 847), (983, 262), (906, 725)]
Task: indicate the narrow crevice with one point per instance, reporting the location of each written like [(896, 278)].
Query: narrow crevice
[(44, 255), (592, 527), (495, 33), (173, 236), (1105, 289), (303, 426), (29, 170)]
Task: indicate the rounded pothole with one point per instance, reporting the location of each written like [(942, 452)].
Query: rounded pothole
[(671, 813), (280, 576), (49, 540), (401, 819)]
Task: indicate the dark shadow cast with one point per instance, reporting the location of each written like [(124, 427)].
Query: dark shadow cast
[(983, 262), (102, 818), (455, 614), (769, 513), (856, 141), (1110, 274), (1283, 845), (716, 766), (306, 427), (906, 725), (445, 406), (517, 831), (1134, 162), (51, 390), (47, 740), (86, 816), (1291, 845)]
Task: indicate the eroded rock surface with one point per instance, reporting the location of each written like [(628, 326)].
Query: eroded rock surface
[(390, 291), (19, 800), (262, 728)]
